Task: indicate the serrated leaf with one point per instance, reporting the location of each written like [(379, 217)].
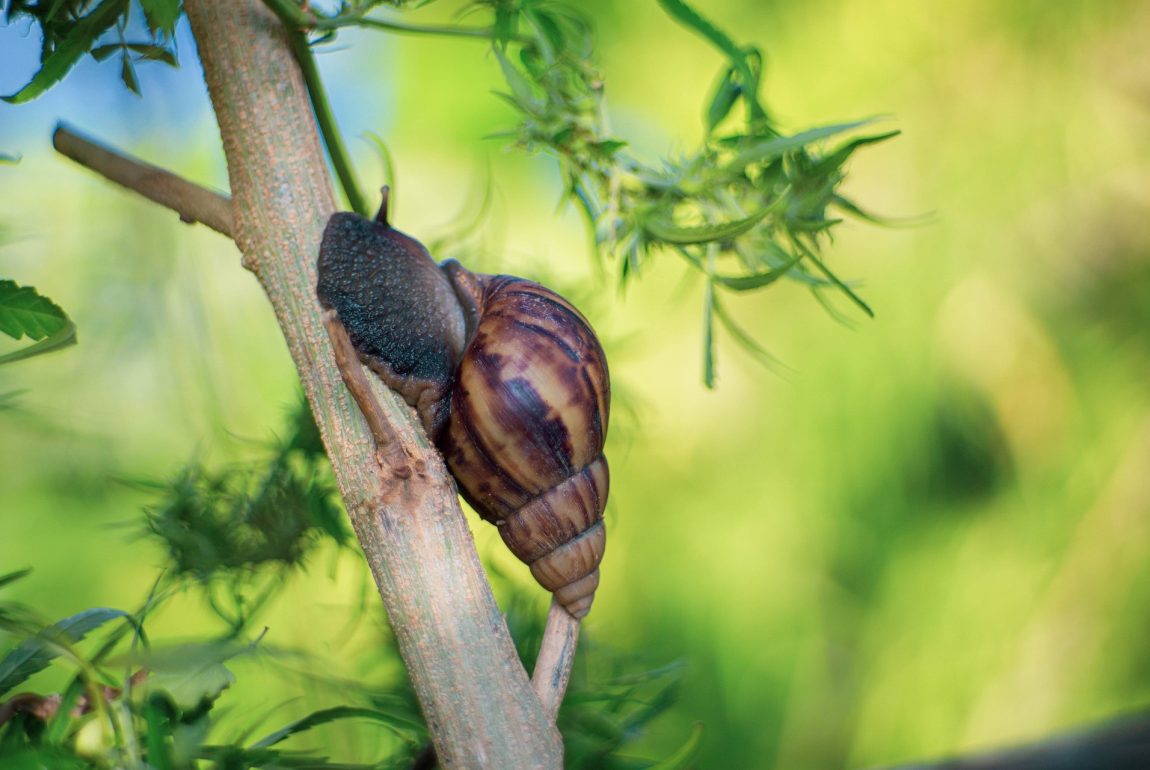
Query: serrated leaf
[(61, 339), (25, 312), (161, 15), (74, 44), (764, 152), (685, 753), (669, 232), (34, 654), (317, 718)]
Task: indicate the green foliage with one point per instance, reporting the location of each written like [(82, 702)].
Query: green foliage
[(750, 205), (26, 313), (221, 523), (72, 28), (747, 207), (136, 702), (36, 653)]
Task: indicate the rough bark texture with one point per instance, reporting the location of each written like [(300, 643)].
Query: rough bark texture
[(475, 694)]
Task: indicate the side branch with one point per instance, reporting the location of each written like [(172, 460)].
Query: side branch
[(191, 201), (556, 654)]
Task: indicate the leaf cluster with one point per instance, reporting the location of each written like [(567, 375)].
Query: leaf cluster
[(132, 701), (228, 522), (132, 30), (132, 704), (747, 207)]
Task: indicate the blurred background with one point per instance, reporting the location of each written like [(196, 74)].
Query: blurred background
[(922, 534)]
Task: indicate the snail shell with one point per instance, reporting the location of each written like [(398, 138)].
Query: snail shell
[(509, 381), (525, 435)]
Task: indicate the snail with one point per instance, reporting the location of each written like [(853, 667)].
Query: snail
[(508, 379)]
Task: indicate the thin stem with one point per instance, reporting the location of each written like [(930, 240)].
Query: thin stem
[(556, 655), (191, 201), (298, 19), (328, 128), (473, 33)]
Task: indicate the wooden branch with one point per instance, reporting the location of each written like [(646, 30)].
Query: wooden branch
[(556, 654), (191, 201), (475, 695)]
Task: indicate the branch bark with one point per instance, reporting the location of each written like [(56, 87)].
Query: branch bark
[(198, 204), (475, 694), (191, 201), (556, 654)]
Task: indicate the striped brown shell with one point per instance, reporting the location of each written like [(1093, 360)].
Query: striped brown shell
[(525, 434)]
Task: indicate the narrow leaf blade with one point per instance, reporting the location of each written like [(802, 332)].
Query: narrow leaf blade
[(34, 654), (325, 716)]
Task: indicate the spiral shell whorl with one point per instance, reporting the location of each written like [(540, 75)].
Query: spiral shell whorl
[(525, 437)]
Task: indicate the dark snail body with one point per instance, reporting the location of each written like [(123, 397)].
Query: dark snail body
[(509, 380)]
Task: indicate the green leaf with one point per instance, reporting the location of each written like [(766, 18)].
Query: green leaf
[(685, 753), (150, 52), (74, 44), (669, 232), (834, 279), (839, 155), (690, 18), (102, 52), (7, 159), (161, 15), (128, 75), (25, 312), (709, 336), (755, 280), (12, 577), (191, 674), (61, 339), (315, 719), (727, 92), (764, 152), (34, 654), (521, 87), (744, 339)]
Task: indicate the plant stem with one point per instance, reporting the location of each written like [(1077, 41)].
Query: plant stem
[(297, 18), (328, 128), (191, 201), (475, 695), (556, 654)]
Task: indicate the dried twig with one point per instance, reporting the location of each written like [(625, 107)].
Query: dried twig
[(191, 201)]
